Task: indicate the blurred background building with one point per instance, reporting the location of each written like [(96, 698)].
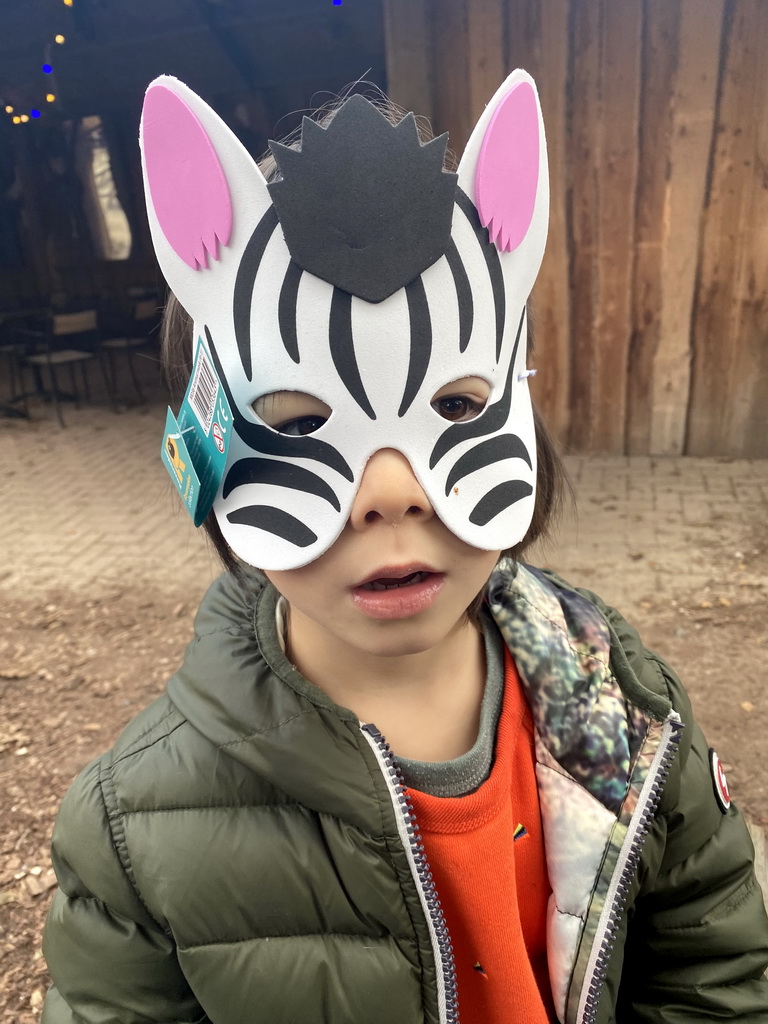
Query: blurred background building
[(651, 312)]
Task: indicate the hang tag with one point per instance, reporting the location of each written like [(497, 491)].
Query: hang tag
[(196, 442)]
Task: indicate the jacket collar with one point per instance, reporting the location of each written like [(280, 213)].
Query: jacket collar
[(237, 687), (566, 655)]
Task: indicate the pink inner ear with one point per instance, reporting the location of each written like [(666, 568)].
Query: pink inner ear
[(188, 188), (508, 168)]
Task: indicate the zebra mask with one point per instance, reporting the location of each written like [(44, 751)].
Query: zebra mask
[(368, 277)]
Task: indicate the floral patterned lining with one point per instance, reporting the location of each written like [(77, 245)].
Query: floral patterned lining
[(588, 734)]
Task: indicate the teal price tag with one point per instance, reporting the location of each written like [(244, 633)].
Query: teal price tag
[(196, 442)]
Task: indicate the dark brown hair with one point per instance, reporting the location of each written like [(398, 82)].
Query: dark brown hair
[(552, 484)]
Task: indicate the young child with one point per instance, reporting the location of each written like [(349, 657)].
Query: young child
[(401, 776)]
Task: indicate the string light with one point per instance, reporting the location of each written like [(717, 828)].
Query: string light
[(50, 97)]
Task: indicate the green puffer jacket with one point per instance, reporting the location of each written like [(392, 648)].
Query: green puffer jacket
[(244, 855)]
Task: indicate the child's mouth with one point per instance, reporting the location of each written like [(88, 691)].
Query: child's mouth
[(386, 583), (398, 597)]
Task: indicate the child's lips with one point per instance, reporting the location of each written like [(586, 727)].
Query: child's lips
[(397, 595), (395, 573)]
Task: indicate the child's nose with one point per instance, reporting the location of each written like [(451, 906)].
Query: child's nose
[(389, 492)]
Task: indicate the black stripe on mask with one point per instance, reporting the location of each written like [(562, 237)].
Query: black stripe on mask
[(421, 341), (279, 474), (286, 310), (275, 521), (343, 349), (497, 499), (492, 418), (486, 453), (244, 282), (492, 262), (269, 442), (463, 295)]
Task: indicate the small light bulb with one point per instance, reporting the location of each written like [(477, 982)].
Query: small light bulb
[(9, 109), (68, 3), (35, 113), (59, 38), (47, 69), (17, 119), (50, 97), (24, 118)]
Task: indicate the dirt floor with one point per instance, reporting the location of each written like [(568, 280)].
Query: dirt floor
[(74, 671)]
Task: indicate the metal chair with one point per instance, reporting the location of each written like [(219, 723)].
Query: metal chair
[(67, 339), (12, 352), (146, 316)]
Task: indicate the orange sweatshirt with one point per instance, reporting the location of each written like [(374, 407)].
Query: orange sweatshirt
[(486, 853)]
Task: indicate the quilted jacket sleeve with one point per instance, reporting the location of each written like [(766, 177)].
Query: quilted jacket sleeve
[(110, 961), (697, 938)]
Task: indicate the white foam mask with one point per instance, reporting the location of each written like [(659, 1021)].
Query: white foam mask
[(369, 296)]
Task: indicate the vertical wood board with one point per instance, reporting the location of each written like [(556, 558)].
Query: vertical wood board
[(551, 294), (581, 160), (451, 100), (407, 26), (485, 44), (747, 422), (659, 59), (616, 184), (727, 414), (693, 106)]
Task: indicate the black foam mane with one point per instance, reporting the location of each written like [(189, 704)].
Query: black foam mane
[(363, 204)]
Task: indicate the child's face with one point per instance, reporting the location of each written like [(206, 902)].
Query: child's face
[(392, 531)]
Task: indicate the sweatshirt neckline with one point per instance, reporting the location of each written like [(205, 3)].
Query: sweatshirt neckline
[(458, 814)]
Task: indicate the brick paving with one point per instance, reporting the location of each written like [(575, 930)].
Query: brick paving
[(663, 526), (95, 507)]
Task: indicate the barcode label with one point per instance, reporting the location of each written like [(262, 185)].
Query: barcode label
[(202, 392)]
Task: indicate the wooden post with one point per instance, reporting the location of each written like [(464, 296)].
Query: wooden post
[(537, 40), (551, 296), (660, 54), (407, 33), (581, 161), (616, 175), (485, 44), (35, 236), (729, 407), (452, 104), (693, 109)]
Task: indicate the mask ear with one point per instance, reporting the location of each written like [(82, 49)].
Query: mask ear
[(205, 195), (504, 172)]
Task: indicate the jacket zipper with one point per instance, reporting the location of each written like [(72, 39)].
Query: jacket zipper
[(407, 826), (615, 899)]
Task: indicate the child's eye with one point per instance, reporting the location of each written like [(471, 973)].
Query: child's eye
[(457, 408), (462, 400), (292, 412), (302, 425)]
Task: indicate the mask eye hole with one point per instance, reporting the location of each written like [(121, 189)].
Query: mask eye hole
[(292, 412), (462, 400)]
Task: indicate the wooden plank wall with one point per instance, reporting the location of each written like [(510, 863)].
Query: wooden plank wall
[(651, 309)]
